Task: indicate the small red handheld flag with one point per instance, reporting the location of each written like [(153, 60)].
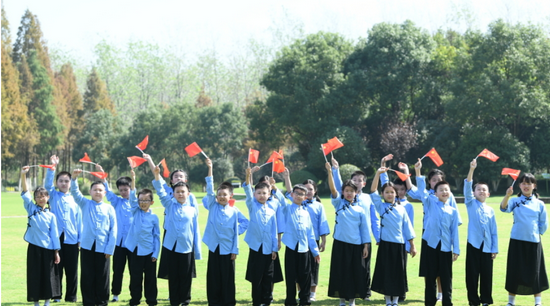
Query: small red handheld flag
[(85, 159), (489, 155), (434, 156), (193, 149), (402, 175), (143, 144), (513, 173), (52, 167), (231, 202), (101, 175), (332, 145), (136, 161), (274, 156), (253, 155), (165, 172), (278, 166)]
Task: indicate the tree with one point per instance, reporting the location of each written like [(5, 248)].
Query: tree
[(29, 37), (96, 96)]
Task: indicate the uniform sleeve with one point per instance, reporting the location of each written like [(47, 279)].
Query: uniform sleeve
[(510, 207), (165, 199), (374, 224), (543, 221), (274, 241), (384, 179), (468, 193), (54, 234), (111, 196), (410, 213), (79, 224), (336, 200), (312, 243), (494, 234), (156, 237), (408, 231), (210, 198), (243, 222), (77, 195), (48, 182), (419, 192), (235, 245), (197, 237), (337, 179), (376, 202), (249, 196), (134, 204), (111, 242), (27, 202), (454, 233), (364, 229), (323, 227)]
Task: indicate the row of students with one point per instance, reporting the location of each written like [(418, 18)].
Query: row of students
[(443, 243)]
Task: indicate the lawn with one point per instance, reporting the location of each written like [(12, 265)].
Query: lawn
[(14, 250)]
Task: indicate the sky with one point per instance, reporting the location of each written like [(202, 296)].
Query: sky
[(77, 25)]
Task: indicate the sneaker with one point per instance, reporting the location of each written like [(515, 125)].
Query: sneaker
[(115, 299), (312, 299), (439, 296)]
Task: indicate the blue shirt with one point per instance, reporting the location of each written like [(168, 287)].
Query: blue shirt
[(241, 219), (351, 222), (181, 224), (529, 218), (275, 202), (42, 225), (482, 224), (99, 223), (222, 227), (420, 193), (403, 202), (262, 229), (442, 225), (395, 225), (191, 199), (299, 230), (123, 212), (144, 232), (364, 201), (66, 211), (318, 217)]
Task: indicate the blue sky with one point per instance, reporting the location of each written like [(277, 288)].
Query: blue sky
[(77, 25)]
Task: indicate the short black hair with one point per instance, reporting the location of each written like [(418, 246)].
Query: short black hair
[(180, 184), (63, 173), (226, 186), (398, 181), (262, 185), (441, 183), (95, 183), (123, 181), (146, 191), (436, 172), (299, 187), (358, 172)]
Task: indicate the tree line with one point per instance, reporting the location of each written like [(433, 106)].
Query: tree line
[(400, 90)]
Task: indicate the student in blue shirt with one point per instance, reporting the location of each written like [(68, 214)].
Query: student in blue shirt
[(320, 226), (482, 247), (390, 273), (181, 241), (351, 244), (525, 268), (261, 238), (299, 238), (441, 239), (124, 219), (143, 243), (360, 180), (221, 235), (69, 225), (43, 250), (98, 242)]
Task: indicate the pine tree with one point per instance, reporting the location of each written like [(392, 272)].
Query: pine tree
[(29, 37), (96, 96)]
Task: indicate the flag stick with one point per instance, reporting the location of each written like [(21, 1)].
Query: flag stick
[(513, 183), (248, 157), (34, 166), (423, 157), (271, 172), (140, 150), (204, 154), (324, 154), (159, 163), (476, 157), (331, 155), (262, 165), (88, 162)]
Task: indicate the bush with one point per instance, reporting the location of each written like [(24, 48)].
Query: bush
[(301, 176), (346, 171)]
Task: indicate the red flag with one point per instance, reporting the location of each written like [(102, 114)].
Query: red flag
[(253, 155), (513, 173), (135, 161), (274, 156), (231, 202), (193, 149), (402, 175), (434, 156), (101, 175), (165, 172), (143, 144), (52, 167), (282, 154), (86, 158), (332, 145), (489, 155), (278, 166)]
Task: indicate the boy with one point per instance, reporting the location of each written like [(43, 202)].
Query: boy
[(261, 237), (441, 240), (364, 200), (143, 243), (299, 239), (97, 244), (69, 225), (222, 238), (124, 219), (482, 247)]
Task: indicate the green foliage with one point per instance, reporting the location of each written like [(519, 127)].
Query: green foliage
[(300, 176)]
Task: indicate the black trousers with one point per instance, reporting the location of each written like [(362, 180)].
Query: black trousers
[(479, 270), (297, 270), (259, 272), (139, 267), (220, 279), (68, 264), (42, 274), (441, 264), (180, 277), (94, 278), (367, 266), (120, 257)]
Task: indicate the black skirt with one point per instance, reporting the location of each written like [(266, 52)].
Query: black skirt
[(423, 259), (525, 268), (165, 266), (277, 270), (347, 271), (390, 274), (42, 274)]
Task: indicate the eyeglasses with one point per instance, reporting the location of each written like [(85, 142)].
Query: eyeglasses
[(300, 194)]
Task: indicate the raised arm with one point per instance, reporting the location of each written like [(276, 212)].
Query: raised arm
[(333, 190), (336, 174), (385, 159), (75, 191), (403, 167), (288, 183), (504, 202), (50, 173), (24, 171), (150, 161), (133, 184), (473, 165), (418, 168), (210, 197), (374, 185)]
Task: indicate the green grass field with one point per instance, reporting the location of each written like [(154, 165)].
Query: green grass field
[(14, 250)]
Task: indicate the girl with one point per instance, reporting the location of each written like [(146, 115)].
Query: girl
[(181, 244), (390, 274), (525, 271), (43, 251), (351, 244)]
